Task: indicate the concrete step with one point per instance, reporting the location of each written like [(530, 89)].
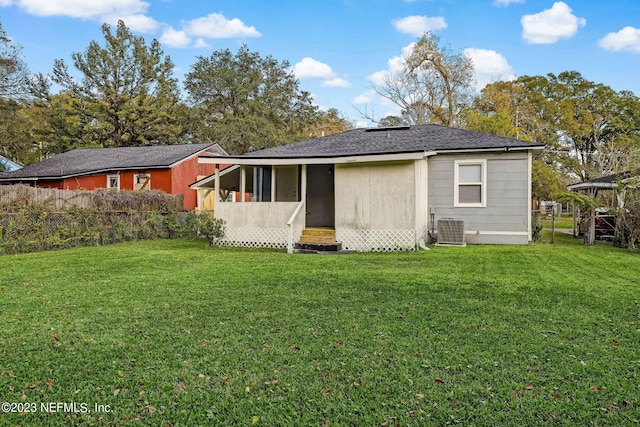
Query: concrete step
[(314, 247)]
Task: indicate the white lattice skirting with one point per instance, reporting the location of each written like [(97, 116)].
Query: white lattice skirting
[(354, 240), (378, 240), (258, 237)]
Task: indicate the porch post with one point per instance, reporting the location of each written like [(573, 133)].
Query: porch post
[(303, 184), (216, 196), (243, 182), (199, 197), (273, 183)]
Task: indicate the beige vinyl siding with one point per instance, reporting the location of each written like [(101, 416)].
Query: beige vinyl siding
[(376, 196)]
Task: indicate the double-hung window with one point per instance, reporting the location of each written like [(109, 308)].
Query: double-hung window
[(113, 182), (470, 183)]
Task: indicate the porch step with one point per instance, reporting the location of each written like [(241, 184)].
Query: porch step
[(322, 235), (318, 240)]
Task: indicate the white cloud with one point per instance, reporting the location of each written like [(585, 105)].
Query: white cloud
[(139, 23), (201, 44), (216, 26), (132, 12), (418, 25), (309, 68), (551, 25), (336, 82), (505, 3), (489, 66), (627, 39), (365, 98), (394, 64), (174, 38), (82, 8)]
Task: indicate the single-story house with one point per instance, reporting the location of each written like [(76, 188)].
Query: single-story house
[(169, 168), (8, 165), (378, 189)]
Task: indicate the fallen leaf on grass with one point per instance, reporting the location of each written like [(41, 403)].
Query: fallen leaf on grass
[(551, 416), (254, 419), (595, 388), (49, 384), (529, 386), (612, 408), (439, 381), (149, 408), (326, 392), (615, 342)]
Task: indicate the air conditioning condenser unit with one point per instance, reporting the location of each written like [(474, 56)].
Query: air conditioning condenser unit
[(451, 232)]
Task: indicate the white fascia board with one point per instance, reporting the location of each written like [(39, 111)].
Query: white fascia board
[(492, 150), (249, 161), (201, 183), (581, 185), (417, 155)]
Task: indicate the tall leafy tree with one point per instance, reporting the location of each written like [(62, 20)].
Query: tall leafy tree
[(247, 102), (329, 122), (391, 121), (127, 95), (16, 142), (14, 131), (590, 130), (13, 70), (434, 84)]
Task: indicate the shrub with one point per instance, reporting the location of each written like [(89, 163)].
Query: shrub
[(203, 224)]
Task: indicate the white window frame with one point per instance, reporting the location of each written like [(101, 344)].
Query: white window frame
[(483, 184), (136, 184), (109, 178)]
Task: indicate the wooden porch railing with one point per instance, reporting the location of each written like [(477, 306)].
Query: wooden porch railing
[(292, 219)]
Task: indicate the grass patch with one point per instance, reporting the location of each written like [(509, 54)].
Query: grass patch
[(173, 333), (565, 221)]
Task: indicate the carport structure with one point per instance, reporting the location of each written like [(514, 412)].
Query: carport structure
[(593, 187)]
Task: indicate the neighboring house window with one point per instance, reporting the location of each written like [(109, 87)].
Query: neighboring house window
[(470, 183), (113, 182), (142, 181)]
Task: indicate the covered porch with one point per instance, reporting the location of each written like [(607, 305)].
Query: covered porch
[(273, 205)]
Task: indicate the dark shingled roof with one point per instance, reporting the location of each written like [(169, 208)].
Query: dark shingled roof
[(407, 139), (86, 161)]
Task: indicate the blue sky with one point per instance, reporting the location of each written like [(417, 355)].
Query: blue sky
[(338, 48)]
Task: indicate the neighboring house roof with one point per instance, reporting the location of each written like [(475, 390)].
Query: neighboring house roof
[(395, 140), (609, 181), (9, 163), (88, 161)]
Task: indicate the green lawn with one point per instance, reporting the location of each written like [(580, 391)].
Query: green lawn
[(565, 221), (175, 333)]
